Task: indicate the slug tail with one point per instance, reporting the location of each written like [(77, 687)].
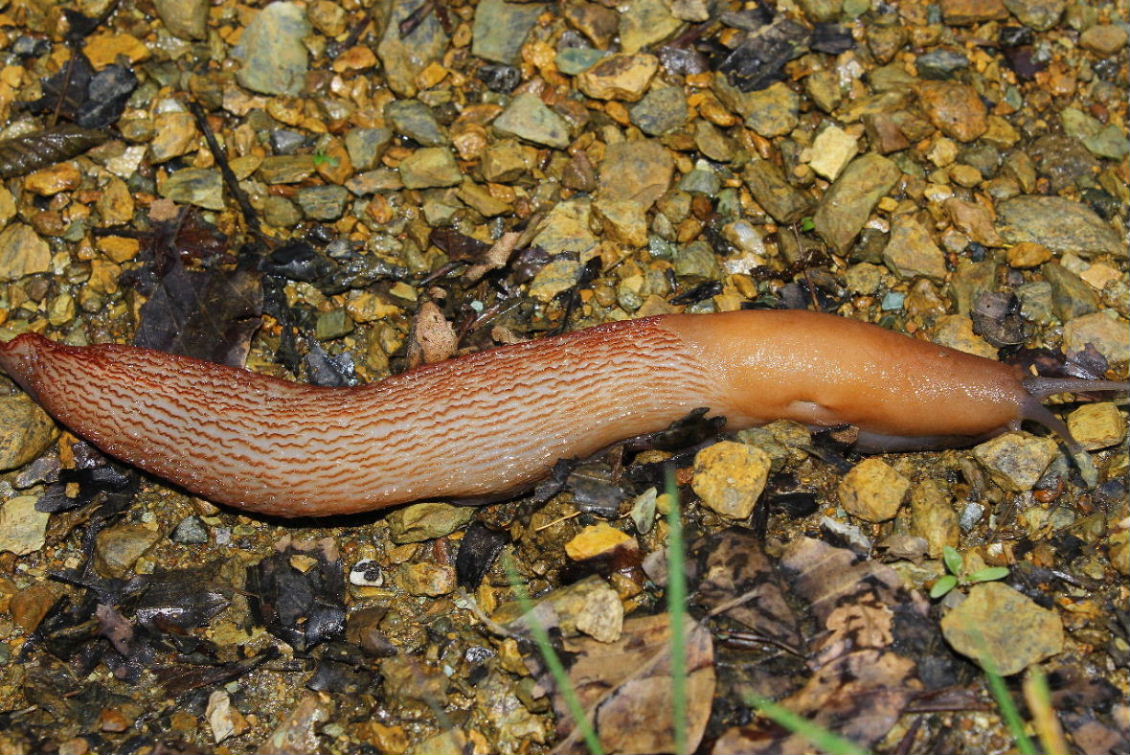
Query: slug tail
[(19, 360)]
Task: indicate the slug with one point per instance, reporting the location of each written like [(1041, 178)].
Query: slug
[(498, 420)]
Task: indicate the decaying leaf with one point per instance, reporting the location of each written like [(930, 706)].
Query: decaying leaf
[(626, 687), (303, 608), (860, 684), (21, 155), (739, 580)]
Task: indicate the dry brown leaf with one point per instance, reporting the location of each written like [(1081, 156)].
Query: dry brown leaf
[(626, 687)]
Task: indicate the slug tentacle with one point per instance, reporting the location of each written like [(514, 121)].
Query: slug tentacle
[(499, 420), (1042, 387)]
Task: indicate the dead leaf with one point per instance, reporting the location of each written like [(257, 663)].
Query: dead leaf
[(626, 687)]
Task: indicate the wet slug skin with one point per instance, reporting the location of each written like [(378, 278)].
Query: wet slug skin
[(498, 420)]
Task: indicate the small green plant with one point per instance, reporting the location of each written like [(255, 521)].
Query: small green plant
[(808, 224), (959, 575), (321, 158)]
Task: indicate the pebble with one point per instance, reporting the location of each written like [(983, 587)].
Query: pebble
[(500, 29), (191, 531), (176, 135), (729, 477), (1002, 630), (416, 120), (645, 22), (426, 521), (280, 212), (1096, 426), (202, 187), (104, 48), (1106, 330), (23, 530), (847, 204), (933, 518), (187, 19), (479, 198), (566, 228), (1064, 161), (638, 171), (832, 149), (955, 109), (506, 161), (271, 48), (1016, 461), (601, 615), (367, 573), (325, 202), (116, 204), (430, 167), (768, 185), (575, 60), (701, 180), (773, 111), (297, 731), (1041, 15), (428, 579), (971, 218), (22, 252), (624, 221), (49, 181), (956, 332), (712, 142), (1059, 224), (971, 513), (1071, 296), (940, 64), (327, 17), (1119, 551), (873, 490), (223, 719), (1104, 39), (970, 12), (598, 540), (619, 77), (25, 431), (643, 510), (404, 58), (696, 260), (863, 278), (559, 275), (911, 252), (29, 606), (596, 22), (1102, 141), (366, 146), (286, 169), (1028, 254), (527, 117), (661, 111), (589, 602), (118, 548)]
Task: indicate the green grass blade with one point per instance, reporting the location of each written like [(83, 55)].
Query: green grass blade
[(677, 610), (1009, 711), (821, 738), (553, 662)]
